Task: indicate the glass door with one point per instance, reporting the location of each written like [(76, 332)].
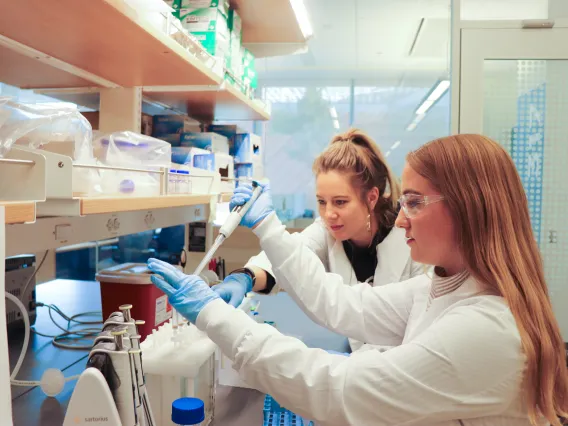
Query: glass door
[(514, 88)]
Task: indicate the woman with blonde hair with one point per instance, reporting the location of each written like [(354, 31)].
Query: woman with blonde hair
[(357, 196), (477, 343)]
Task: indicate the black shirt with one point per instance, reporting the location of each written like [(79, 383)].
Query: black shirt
[(364, 260)]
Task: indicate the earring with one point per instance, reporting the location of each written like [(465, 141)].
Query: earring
[(369, 223)]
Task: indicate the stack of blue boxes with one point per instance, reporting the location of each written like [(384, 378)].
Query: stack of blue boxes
[(245, 147), (202, 150), (276, 415)]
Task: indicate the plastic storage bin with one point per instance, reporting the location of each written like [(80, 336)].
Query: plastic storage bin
[(130, 283)]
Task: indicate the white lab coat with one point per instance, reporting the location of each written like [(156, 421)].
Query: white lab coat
[(393, 256), (458, 360)]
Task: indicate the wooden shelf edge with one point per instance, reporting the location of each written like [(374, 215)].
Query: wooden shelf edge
[(19, 212), (101, 205), (261, 112), (225, 197)]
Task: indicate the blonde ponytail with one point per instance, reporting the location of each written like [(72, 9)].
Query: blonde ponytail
[(357, 155)]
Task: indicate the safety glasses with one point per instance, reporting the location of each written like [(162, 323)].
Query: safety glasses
[(413, 204)]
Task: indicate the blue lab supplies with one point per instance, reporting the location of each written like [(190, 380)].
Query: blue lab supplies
[(184, 155), (227, 130), (188, 411), (204, 161), (168, 124), (243, 170), (210, 141), (246, 148), (276, 415)]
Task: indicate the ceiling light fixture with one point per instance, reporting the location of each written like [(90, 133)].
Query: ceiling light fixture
[(434, 95), (302, 16)]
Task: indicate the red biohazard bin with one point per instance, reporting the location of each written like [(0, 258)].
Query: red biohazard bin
[(130, 284)]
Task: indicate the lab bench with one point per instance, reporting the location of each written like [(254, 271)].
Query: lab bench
[(233, 406)]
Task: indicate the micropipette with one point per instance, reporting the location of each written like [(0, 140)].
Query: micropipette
[(232, 223)]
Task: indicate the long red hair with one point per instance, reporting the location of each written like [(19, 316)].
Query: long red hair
[(486, 197)]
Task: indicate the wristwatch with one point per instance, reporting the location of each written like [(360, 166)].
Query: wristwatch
[(247, 271)]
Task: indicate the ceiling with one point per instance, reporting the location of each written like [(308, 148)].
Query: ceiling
[(388, 42), (368, 40)]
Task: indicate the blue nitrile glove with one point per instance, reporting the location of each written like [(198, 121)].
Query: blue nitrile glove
[(234, 288), (188, 294), (337, 353), (261, 208)]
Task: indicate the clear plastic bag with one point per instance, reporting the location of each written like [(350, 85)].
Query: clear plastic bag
[(37, 125), (132, 150), (55, 127)]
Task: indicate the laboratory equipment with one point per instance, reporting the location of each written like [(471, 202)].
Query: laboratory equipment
[(232, 222), (112, 388), (20, 282), (188, 411), (276, 415), (181, 365), (130, 283)]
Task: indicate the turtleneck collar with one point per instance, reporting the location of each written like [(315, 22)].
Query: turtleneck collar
[(446, 285)]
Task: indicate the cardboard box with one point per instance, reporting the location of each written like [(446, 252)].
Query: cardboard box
[(227, 130), (173, 139), (147, 124), (210, 27), (171, 124), (225, 166), (247, 148), (211, 141), (250, 77), (221, 5), (204, 161), (184, 155)]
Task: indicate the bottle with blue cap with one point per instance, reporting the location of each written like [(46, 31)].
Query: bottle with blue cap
[(188, 411)]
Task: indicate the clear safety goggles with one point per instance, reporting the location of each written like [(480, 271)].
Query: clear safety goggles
[(413, 204)]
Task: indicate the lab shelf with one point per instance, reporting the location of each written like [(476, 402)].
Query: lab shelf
[(23, 71), (270, 27), (203, 103), (19, 212), (104, 38), (100, 205), (225, 197), (209, 103)]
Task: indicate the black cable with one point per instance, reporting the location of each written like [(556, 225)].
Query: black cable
[(69, 334)]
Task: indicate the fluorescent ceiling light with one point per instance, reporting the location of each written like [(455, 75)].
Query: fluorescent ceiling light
[(387, 153), (333, 112), (422, 109), (439, 90), (336, 124), (411, 126), (394, 146), (302, 16)]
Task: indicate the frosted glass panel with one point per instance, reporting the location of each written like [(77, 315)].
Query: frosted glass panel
[(525, 109), (500, 10)]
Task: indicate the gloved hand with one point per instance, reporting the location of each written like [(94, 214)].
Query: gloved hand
[(261, 208), (337, 353), (234, 288), (188, 294)]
